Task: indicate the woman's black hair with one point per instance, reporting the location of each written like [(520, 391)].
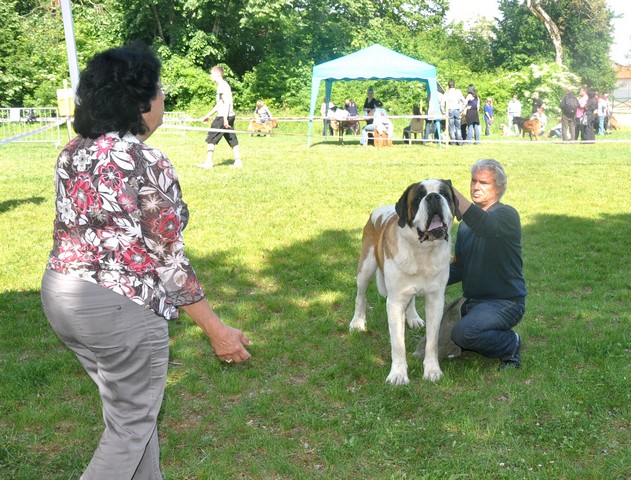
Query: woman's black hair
[(115, 89)]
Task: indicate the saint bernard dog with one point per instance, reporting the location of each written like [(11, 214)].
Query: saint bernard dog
[(408, 246)]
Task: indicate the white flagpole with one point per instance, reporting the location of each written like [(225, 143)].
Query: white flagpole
[(71, 48)]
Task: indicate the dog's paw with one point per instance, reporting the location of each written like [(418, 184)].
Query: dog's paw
[(415, 322), (358, 324), (432, 374), (398, 378)]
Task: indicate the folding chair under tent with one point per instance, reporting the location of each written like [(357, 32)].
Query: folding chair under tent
[(372, 63)]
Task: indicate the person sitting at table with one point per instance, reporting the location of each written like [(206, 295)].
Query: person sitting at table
[(416, 124), (339, 122), (379, 120), (432, 127), (351, 108), (326, 111)]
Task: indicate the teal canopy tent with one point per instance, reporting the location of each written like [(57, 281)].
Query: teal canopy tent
[(371, 63)]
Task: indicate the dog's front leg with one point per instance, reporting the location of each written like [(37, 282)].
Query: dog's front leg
[(396, 324), (434, 303)]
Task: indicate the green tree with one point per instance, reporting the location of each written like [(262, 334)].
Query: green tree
[(586, 35), (37, 26)]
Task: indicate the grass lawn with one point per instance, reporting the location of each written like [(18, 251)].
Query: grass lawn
[(275, 245)]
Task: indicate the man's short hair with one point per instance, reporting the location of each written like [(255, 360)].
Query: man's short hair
[(451, 84), (489, 164), (217, 69)]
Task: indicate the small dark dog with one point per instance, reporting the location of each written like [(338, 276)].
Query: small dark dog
[(532, 127), (519, 121)]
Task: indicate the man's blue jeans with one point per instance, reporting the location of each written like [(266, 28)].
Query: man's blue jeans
[(455, 132), (486, 327), (601, 125)]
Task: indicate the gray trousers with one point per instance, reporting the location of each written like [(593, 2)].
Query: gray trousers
[(124, 347)]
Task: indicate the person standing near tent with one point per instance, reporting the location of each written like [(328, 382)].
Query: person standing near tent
[(369, 103), (453, 104), (472, 115), (224, 108)]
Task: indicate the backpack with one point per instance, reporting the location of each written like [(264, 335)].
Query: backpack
[(569, 105)]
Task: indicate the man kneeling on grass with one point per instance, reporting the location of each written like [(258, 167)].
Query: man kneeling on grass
[(489, 264)]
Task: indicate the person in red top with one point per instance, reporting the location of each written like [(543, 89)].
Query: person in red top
[(117, 270)]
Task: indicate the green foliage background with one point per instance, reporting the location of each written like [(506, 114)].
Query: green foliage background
[(270, 46)]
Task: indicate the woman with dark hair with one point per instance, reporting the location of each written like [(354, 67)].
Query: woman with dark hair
[(472, 115), (117, 270)]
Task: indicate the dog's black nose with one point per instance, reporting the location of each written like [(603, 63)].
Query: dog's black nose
[(432, 199)]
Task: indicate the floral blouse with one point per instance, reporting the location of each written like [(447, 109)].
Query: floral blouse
[(119, 222)]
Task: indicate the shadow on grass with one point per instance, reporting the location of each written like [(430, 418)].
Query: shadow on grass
[(571, 254), (302, 297), (300, 294), (14, 203), (297, 306)]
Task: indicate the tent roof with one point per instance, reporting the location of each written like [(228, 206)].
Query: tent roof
[(375, 61)]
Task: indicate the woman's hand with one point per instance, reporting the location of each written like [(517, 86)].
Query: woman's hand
[(228, 342)]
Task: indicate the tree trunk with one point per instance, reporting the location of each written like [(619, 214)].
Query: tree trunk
[(158, 24), (555, 34)]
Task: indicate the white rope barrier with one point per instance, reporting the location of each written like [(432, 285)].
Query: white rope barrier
[(331, 138)]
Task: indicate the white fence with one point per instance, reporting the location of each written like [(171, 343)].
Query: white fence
[(30, 125), (173, 123)]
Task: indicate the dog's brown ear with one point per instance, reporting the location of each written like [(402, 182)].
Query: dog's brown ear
[(455, 200), (402, 207)]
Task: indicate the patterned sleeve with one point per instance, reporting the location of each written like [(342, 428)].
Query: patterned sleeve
[(164, 217)]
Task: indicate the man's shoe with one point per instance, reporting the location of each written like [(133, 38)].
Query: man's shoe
[(514, 361), (237, 164), (205, 165)]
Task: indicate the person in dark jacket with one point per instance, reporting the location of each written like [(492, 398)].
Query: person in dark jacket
[(591, 108), (569, 105), (488, 262)]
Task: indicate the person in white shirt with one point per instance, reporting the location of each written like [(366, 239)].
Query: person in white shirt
[(453, 103), (543, 119), (224, 109), (381, 123), (514, 110)]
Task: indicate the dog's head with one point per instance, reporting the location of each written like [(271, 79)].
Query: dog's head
[(429, 207)]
